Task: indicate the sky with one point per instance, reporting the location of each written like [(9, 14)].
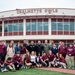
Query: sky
[(22, 4)]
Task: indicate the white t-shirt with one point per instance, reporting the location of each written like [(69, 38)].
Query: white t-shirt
[(33, 58), (10, 52)]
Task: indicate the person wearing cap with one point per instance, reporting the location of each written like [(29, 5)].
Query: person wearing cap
[(17, 59)]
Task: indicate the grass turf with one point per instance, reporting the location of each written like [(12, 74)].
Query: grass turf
[(33, 72)]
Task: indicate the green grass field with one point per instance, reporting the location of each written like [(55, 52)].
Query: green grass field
[(33, 72)]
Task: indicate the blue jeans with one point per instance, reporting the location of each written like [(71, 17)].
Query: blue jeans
[(2, 57), (2, 68)]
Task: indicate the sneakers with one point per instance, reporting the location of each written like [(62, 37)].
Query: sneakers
[(23, 67), (13, 70), (4, 70)]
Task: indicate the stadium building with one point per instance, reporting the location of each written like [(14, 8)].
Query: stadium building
[(38, 24)]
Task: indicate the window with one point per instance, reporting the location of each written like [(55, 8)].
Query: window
[(20, 27), (66, 27), (28, 26), (10, 27), (6, 28), (33, 24), (45, 25), (53, 26), (39, 26), (13, 27), (60, 26), (71, 26)]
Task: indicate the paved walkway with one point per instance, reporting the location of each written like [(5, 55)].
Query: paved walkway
[(59, 70)]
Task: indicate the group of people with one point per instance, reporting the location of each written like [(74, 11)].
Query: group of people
[(23, 55)]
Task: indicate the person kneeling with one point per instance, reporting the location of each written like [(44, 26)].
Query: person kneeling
[(2, 66), (10, 65), (17, 61), (27, 62), (62, 62), (55, 62), (38, 60), (33, 59), (44, 60), (51, 58)]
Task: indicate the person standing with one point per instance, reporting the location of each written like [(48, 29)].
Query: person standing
[(25, 44), (74, 55), (39, 48), (32, 47), (70, 53), (10, 51), (62, 50), (59, 44), (17, 48), (2, 51), (54, 49), (46, 47)]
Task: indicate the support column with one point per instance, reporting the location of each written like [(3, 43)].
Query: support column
[(74, 55), (2, 28), (24, 27), (49, 23), (49, 29)]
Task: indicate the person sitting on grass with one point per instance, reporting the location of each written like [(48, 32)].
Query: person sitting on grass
[(9, 64), (23, 51), (23, 54), (27, 62), (51, 58), (17, 59), (44, 60), (62, 62), (55, 62), (2, 66), (38, 60), (33, 59)]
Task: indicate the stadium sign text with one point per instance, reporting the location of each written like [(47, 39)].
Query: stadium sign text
[(25, 11)]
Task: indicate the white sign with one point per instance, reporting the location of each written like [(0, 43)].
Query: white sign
[(25, 11)]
